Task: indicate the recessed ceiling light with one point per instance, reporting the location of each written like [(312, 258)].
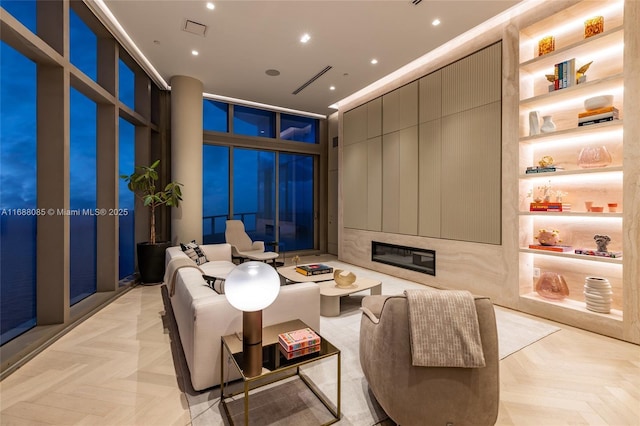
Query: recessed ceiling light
[(374, 61), (305, 38), (211, 6), (435, 22), (194, 52), (332, 88), (272, 72)]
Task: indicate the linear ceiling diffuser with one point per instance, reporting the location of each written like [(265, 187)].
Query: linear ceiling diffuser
[(311, 80)]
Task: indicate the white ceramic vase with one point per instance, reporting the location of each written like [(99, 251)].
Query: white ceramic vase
[(534, 123), (548, 125)]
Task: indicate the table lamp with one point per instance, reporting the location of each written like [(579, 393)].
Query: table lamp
[(251, 287)]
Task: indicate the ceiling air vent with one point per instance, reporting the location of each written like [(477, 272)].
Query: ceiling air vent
[(194, 28), (311, 80), (415, 2)]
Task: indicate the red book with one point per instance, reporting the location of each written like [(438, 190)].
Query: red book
[(549, 207), (300, 352)]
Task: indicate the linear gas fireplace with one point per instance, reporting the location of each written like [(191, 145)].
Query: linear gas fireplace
[(416, 259)]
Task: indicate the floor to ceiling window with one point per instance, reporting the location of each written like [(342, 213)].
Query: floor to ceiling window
[(126, 199), (271, 188), (18, 209), (82, 197), (295, 186), (254, 195), (83, 46), (215, 193)]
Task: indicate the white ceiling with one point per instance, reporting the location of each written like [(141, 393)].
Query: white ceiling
[(245, 38)]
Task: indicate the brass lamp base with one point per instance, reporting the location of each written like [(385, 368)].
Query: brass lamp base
[(252, 343)]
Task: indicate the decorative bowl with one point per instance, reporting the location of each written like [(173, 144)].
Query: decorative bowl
[(344, 278), (598, 102)]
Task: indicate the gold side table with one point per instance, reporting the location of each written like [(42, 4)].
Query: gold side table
[(275, 367)]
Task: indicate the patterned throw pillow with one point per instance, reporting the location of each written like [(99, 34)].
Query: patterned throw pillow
[(194, 252)]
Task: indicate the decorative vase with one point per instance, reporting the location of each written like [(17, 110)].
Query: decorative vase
[(534, 123), (598, 294), (594, 156), (548, 125), (552, 285)]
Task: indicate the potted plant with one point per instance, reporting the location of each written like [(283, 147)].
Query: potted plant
[(142, 182)]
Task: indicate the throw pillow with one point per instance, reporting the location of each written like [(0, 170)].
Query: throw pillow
[(194, 252)]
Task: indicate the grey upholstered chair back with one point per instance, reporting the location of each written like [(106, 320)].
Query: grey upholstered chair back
[(426, 395)]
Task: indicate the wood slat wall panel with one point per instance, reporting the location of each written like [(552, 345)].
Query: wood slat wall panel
[(429, 204), (471, 175)]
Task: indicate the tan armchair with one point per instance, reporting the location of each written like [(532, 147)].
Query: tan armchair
[(241, 245), (426, 395)]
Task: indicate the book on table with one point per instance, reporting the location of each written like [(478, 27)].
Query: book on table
[(298, 339), (314, 269), (612, 254), (300, 352)]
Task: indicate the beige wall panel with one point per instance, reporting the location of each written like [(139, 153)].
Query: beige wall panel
[(471, 175), (374, 184), (472, 81), (374, 118), (332, 186), (391, 112), (430, 97), (429, 203), (355, 185), (355, 125), (408, 103), (390, 182), (408, 179)]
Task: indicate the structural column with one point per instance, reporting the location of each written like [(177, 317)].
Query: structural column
[(186, 157)]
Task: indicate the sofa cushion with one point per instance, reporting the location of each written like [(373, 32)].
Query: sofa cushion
[(194, 252)]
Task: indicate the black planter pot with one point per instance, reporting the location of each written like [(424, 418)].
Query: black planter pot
[(151, 261)]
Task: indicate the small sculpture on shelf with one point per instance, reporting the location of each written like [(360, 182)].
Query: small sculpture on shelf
[(546, 161), (546, 45), (581, 74), (593, 26), (602, 241), (552, 285), (548, 237), (548, 125), (296, 259)]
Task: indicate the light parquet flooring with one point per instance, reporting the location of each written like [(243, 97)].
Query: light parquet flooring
[(116, 368)]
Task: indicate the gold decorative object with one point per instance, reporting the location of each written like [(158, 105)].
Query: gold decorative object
[(550, 77), (546, 161), (593, 26), (546, 45), (296, 259), (344, 278), (582, 71)]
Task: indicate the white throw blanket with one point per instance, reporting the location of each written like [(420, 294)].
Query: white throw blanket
[(443, 329), (172, 269)]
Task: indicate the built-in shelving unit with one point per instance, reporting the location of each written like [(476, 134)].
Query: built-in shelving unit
[(601, 185)]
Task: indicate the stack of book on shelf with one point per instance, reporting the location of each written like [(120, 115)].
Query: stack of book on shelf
[(565, 74), (612, 254), (549, 207), (557, 248), (546, 169), (299, 342), (599, 115), (314, 269)]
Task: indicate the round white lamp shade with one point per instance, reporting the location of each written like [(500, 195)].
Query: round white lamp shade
[(252, 286)]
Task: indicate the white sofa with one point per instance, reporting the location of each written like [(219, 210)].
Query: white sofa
[(204, 316)]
